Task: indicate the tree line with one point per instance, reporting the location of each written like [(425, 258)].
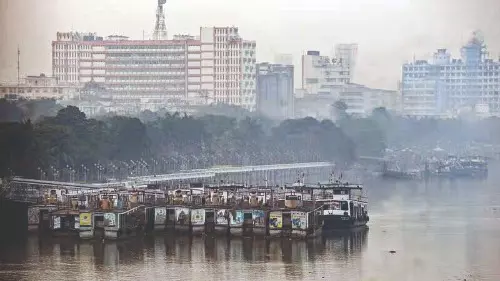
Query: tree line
[(69, 143), (38, 139)]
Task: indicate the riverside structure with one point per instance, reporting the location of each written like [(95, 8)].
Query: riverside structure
[(119, 209)]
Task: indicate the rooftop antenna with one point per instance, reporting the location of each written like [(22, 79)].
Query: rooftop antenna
[(160, 32)]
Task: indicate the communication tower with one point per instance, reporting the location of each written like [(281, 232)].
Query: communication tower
[(160, 32)]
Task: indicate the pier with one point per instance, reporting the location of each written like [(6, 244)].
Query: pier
[(235, 200)]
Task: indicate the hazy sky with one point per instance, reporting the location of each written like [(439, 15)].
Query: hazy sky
[(389, 32)]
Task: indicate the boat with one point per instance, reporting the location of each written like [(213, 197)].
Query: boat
[(401, 174), (457, 167), (396, 174), (345, 205)]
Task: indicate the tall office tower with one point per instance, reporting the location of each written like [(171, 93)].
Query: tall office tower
[(347, 53), (228, 66)]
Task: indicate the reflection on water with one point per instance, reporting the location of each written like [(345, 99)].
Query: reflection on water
[(439, 230), (60, 258)]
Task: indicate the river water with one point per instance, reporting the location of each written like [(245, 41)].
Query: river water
[(439, 230)]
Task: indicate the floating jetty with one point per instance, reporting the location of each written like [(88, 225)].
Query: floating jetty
[(184, 203), (233, 210)]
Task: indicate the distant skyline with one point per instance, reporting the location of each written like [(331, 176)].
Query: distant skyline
[(389, 32)]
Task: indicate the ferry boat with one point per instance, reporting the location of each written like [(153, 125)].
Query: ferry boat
[(345, 205)]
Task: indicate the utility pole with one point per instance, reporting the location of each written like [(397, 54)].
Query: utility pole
[(18, 68)]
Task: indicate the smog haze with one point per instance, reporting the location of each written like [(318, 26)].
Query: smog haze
[(389, 32)]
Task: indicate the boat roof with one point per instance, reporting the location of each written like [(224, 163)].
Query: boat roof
[(66, 212)]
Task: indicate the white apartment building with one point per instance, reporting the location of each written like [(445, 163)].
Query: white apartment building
[(36, 87), (322, 74), (228, 66), (129, 69), (249, 78), (347, 54), (444, 86), (218, 66), (362, 100)]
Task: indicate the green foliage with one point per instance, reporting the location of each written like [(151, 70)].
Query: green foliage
[(366, 133), (127, 138), (10, 112), (27, 109), (339, 110), (68, 139), (17, 148)]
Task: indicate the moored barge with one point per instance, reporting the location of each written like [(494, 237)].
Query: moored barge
[(345, 205)]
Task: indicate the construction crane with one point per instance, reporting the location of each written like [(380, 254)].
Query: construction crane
[(160, 32)]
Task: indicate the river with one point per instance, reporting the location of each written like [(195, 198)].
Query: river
[(436, 230)]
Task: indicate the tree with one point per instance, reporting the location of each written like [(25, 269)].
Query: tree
[(339, 110), (10, 112), (369, 139), (70, 116), (128, 138), (70, 139)]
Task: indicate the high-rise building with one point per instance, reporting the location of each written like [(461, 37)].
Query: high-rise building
[(444, 86), (323, 75), (228, 66), (275, 97), (218, 66), (249, 79), (347, 54), (128, 69)]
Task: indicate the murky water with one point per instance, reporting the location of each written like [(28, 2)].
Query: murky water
[(440, 230)]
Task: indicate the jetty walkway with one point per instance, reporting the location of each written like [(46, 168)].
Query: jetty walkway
[(27, 190)]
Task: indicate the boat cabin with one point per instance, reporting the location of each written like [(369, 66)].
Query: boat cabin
[(338, 199)]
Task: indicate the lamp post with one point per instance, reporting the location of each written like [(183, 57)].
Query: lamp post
[(68, 168), (127, 166), (96, 166), (40, 171), (135, 167), (154, 165), (165, 164), (84, 170), (113, 169), (55, 173), (99, 169), (195, 162), (145, 167)]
